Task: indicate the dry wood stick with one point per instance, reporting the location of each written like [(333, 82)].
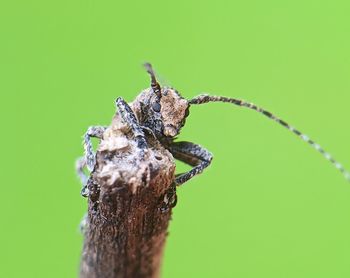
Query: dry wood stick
[(127, 221)]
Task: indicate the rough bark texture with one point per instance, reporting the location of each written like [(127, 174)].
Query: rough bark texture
[(127, 208)]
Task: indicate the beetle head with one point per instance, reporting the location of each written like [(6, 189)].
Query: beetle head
[(168, 108)]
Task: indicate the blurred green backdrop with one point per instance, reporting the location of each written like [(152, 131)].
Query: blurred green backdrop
[(269, 205)]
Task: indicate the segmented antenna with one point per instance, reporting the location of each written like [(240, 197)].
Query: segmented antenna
[(204, 98), (154, 84)]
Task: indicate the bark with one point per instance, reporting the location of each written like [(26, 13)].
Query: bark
[(129, 208)]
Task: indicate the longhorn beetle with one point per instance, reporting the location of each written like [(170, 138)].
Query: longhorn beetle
[(162, 112)]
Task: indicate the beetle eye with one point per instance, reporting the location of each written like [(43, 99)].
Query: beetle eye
[(156, 107)]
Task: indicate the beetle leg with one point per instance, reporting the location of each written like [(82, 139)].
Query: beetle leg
[(191, 154), (129, 118), (93, 131)]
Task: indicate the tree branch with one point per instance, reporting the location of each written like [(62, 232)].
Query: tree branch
[(129, 207)]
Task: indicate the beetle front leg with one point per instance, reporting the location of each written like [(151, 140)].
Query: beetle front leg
[(80, 164), (79, 168), (129, 118), (191, 154), (93, 131)]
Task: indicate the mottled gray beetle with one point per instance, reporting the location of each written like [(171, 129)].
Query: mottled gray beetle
[(162, 111)]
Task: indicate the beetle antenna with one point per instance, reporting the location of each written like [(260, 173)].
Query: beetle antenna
[(204, 98), (154, 84)]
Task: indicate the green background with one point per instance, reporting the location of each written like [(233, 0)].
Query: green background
[(268, 206)]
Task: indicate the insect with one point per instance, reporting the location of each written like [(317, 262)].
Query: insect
[(162, 112)]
